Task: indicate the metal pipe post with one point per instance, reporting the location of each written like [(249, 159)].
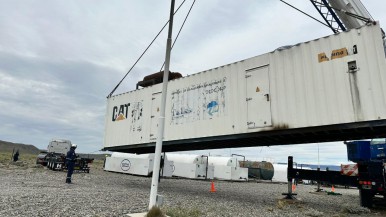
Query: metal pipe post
[(161, 120)]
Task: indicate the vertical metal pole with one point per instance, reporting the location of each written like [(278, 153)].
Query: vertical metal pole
[(161, 120)]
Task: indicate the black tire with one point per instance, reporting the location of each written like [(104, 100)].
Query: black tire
[(366, 198), (53, 166)]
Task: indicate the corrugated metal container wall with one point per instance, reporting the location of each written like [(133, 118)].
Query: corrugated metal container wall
[(306, 85), (306, 92), (128, 117)]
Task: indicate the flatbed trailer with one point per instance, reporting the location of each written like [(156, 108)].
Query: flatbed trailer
[(57, 162), (370, 179), (331, 177), (55, 157)]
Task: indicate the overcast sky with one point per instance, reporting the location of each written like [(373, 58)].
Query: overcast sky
[(60, 59)]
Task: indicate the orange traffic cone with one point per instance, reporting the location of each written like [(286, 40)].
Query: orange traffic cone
[(293, 187), (212, 189), (332, 189)]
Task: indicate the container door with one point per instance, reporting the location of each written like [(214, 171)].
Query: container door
[(155, 112), (258, 97)]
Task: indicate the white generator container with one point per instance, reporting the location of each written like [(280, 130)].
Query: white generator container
[(228, 168), (322, 90), (191, 166), (136, 164), (280, 173)]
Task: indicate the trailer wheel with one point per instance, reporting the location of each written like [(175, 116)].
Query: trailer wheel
[(53, 166), (366, 198)]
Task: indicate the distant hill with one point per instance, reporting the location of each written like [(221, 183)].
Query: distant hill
[(30, 149), (23, 148)]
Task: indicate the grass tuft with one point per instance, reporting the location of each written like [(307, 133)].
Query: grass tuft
[(155, 212)]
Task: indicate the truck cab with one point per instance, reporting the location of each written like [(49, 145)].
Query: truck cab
[(371, 160), (59, 146)]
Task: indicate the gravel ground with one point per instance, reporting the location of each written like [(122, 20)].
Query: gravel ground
[(37, 191)]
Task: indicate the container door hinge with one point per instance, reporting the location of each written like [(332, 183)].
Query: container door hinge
[(248, 99), (247, 76)]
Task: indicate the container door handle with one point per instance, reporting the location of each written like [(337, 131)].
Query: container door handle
[(267, 95)]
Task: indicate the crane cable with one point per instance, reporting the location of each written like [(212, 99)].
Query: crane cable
[(115, 88), (304, 13)]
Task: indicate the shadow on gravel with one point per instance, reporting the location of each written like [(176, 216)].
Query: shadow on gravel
[(379, 206)]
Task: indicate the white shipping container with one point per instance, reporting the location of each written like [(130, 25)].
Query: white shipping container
[(191, 166), (230, 173), (329, 89), (135, 164), (223, 161), (228, 168), (280, 173)]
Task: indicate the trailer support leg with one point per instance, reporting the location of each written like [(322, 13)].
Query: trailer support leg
[(318, 188), (289, 195)]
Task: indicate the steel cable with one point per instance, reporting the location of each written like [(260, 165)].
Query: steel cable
[(115, 88)]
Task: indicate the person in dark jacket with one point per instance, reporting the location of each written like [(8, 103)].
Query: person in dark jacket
[(161, 167), (70, 161), (16, 156)]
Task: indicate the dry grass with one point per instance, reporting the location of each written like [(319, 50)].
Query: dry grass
[(155, 212), (6, 158), (26, 161)]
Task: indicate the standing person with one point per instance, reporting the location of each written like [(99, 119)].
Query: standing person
[(161, 167), (70, 161), (16, 156)]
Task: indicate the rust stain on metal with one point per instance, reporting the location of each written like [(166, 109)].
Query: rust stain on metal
[(356, 102), (280, 127)]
